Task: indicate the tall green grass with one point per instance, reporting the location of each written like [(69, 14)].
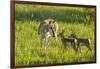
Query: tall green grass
[(65, 14), (27, 40)]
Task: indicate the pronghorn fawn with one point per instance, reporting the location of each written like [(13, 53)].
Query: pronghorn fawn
[(67, 41), (81, 41)]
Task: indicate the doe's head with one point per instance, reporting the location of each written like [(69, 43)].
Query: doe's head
[(52, 27)]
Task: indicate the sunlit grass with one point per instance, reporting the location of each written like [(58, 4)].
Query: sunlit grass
[(29, 50)]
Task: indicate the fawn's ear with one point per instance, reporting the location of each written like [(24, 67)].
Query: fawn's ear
[(63, 31), (59, 34)]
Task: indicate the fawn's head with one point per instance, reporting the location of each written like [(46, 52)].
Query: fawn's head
[(72, 36), (61, 33)]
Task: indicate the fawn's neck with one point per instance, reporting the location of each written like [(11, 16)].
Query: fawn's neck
[(63, 38)]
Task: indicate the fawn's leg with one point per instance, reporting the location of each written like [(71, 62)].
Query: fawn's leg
[(65, 47), (74, 46), (88, 46), (79, 48)]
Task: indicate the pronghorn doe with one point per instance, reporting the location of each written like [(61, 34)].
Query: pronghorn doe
[(67, 41), (81, 41), (47, 29)]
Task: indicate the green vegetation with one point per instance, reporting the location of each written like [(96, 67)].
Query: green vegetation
[(27, 41)]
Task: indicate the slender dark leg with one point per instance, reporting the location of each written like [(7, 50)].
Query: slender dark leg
[(88, 46)]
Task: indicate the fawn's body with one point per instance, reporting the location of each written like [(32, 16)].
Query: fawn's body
[(84, 42), (67, 41), (81, 41)]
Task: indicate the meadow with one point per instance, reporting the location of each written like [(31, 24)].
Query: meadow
[(72, 19)]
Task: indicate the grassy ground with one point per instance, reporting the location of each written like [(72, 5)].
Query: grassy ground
[(27, 41)]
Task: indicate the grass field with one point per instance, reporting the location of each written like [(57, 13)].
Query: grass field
[(27, 41)]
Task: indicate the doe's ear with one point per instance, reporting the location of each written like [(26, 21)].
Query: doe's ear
[(54, 21), (50, 22)]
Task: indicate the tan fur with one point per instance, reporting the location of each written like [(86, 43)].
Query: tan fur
[(46, 29)]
